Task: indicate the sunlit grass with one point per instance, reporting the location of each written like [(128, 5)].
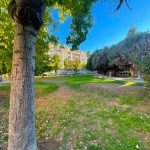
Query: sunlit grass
[(5, 88), (129, 83), (77, 80), (41, 88)]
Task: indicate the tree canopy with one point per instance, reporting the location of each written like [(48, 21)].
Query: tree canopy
[(133, 52), (72, 65)]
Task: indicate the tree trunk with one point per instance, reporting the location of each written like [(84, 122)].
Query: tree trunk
[(110, 74), (56, 72), (21, 115)]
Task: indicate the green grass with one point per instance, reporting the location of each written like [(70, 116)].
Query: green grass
[(4, 88), (42, 88), (77, 80), (92, 120), (89, 122)]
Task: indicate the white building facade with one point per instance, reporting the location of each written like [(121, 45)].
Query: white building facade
[(66, 53)]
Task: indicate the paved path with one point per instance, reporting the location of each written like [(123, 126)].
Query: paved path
[(130, 79), (4, 82)]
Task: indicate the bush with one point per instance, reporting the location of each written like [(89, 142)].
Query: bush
[(147, 83)]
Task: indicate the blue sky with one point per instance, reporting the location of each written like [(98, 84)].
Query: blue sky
[(109, 27)]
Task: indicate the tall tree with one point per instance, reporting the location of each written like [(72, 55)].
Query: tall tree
[(6, 39), (131, 54), (28, 16)]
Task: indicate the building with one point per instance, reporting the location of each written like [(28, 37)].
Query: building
[(66, 53)]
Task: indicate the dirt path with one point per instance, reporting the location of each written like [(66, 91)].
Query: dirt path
[(61, 95), (59, 80), (54, 104), (4, 95)]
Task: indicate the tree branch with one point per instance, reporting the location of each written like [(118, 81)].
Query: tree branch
[(121, 3)]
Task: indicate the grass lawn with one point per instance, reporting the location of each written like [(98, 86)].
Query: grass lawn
[(42, 88), (86, 113)]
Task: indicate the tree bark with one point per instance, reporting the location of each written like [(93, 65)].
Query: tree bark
[(21, 115)]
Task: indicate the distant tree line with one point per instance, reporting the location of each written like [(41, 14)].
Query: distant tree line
[(130, 56), (68, 65)]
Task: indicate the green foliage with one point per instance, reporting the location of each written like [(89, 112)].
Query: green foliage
[(41, 57), (80, 10), (131, 54), (42, 44), (67, 64), (54, 63), (146, 70), (147, 83), (101, 60), (146, 65), (42, 48), (77, 65), (6, 39), (72, 65), (81, 23), (90, 65)]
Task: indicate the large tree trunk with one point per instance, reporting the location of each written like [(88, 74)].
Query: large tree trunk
[(21, 116)]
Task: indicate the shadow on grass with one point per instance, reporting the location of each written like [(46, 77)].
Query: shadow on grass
[(76, 80), (41, 88)]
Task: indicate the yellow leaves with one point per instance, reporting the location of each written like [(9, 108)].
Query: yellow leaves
[(4, 45), (2, 31), (62, 16), (64, 12), (57, 6)]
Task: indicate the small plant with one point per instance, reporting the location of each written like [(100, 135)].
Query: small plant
[(127, 100)]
